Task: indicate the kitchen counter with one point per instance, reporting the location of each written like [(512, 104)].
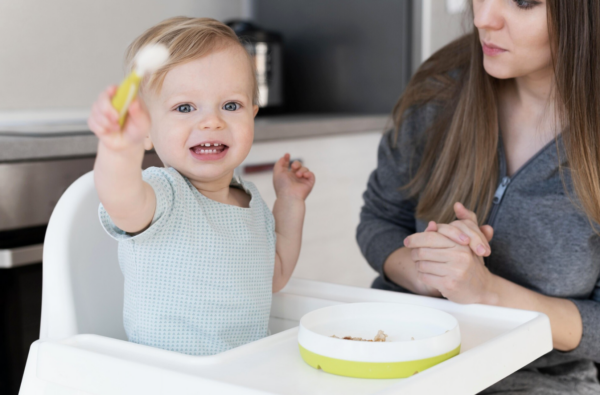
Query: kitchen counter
[(78, 141)]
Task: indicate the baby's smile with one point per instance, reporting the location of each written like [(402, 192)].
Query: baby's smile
[(209, 151)]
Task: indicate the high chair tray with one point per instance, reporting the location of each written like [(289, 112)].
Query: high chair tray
[(495, 343)]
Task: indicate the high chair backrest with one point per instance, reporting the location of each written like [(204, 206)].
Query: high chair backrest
[(82, 282)]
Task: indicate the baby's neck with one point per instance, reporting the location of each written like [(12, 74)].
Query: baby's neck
[(221, 192)]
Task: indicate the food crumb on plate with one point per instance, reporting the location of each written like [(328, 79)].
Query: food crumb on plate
[(379, 337)]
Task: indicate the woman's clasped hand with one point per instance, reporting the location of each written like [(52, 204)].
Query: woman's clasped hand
[(449, 258)]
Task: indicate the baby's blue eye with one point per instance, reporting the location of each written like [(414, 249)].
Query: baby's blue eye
[(231, 106), (184, 108)]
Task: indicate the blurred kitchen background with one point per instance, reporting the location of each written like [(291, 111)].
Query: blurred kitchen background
[(331, 73)]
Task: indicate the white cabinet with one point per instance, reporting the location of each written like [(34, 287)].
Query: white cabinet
[(342, 165)]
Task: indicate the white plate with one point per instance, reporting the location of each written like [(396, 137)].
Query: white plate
[(418, 338)]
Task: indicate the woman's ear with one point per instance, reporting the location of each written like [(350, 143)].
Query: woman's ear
[(148, 143), (255, 110)]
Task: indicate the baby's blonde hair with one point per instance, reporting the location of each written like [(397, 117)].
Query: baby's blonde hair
[(187, 39)]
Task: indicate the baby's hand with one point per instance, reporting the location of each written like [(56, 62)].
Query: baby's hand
[(104, 122), (294, 181)]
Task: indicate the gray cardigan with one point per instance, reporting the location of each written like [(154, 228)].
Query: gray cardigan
[(541, 241)]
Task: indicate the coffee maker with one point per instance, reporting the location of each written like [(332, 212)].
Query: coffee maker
[(266, 48)]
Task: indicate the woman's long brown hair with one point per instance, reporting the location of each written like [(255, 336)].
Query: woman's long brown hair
[(460, 157)]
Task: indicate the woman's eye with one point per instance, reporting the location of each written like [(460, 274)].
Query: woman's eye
[(184, 108), (231, 106), (526, 4)]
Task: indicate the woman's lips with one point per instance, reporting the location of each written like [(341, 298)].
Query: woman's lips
[(209, 153), (491, 49)]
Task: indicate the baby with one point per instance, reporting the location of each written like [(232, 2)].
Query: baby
[(200, 251)]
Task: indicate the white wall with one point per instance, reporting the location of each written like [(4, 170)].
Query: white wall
[(62, 53), (442, 21)]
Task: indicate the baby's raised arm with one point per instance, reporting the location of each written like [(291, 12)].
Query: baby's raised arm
[(292, 185), (128, 200)]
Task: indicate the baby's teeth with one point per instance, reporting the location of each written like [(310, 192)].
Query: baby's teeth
[(208, 145), (208, 151)]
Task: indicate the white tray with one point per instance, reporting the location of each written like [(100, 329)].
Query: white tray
[(495, 342)]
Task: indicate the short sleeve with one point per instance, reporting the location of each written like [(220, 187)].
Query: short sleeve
[(165, 183)]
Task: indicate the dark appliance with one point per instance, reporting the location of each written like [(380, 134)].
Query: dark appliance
[(266, 48), (342, 56)]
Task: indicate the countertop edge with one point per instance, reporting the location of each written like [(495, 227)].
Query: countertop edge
[(18, 148)]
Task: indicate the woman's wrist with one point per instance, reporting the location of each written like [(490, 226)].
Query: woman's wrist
[(491, 295)]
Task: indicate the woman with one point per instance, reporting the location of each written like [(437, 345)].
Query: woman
[(501, 127)]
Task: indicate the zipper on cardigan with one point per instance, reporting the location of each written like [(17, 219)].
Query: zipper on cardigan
[(498, 198), (501, 189)]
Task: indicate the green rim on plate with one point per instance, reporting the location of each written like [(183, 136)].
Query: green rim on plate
[(372, 370)]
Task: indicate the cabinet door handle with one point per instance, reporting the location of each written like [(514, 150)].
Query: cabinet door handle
[(21, 256), (263, 167)]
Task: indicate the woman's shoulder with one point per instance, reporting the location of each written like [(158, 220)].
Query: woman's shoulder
[(411, 132)]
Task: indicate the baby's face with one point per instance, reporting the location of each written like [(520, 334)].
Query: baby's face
[(203, 117)]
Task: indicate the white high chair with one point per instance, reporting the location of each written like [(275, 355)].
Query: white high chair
[(82, 309), (82, 282), (82, 349)]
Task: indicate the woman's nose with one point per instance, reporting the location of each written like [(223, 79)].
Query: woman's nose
[(488, 14), (211, 121)]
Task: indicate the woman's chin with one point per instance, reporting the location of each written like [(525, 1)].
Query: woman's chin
[(498, 70)]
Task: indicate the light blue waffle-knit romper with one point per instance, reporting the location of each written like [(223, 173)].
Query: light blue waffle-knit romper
[(199, 279)]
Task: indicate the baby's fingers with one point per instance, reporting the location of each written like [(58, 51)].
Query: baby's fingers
[(104, 104), (309, 176), (301, 171), (111, 91), (282, 164), (96, 128), (101, 124), (296, 166), (139, 119)]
